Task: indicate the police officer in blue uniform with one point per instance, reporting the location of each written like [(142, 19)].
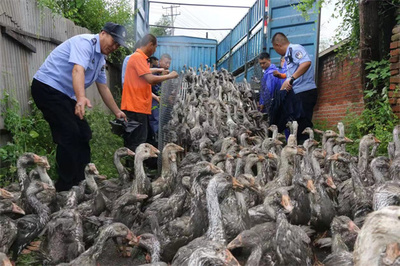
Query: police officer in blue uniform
[(300, 79), (58, 89)]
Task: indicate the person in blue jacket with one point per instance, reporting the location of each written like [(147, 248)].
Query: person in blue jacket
[(269, 83), (58, 89), (300, 80)]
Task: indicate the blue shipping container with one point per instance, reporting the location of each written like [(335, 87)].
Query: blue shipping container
[(189, 51)]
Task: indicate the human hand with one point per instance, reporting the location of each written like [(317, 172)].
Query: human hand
[(165, 72), (174, 74), (286, 85), (260, 107), (121, 114), (81, 103)]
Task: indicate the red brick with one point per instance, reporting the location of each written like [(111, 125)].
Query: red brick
[(392, 94), (394, 66), (396, 108), (395, 52), (394, 45), (393, 86), (392, 101), (394, 72), (395, 79), (398, 101), (396, 29), (394, 59)]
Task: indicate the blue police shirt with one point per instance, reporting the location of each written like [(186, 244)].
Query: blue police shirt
[(296, 55), (83, 50), (124, 64)]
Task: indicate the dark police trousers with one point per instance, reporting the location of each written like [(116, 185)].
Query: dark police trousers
[(70, 133), (308, 100)]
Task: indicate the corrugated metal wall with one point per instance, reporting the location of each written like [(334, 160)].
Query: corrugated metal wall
[(239, 49), (244, 42), (41, 29), (189, 51)]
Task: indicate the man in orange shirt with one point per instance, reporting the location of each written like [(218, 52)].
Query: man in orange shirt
[(137, 94)]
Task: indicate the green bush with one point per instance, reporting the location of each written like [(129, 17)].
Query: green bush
[(104, 143), (31, 133), (377, 117)]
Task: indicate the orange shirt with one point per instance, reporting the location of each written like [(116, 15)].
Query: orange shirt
[(136, 94)]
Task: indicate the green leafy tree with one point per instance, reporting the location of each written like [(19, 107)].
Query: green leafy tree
[(93, 14), (161, 31)]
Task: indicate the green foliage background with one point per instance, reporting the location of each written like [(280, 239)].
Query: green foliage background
[(93, 14), (31, 133)]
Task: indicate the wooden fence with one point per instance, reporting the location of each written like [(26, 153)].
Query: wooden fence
[(28, 35)]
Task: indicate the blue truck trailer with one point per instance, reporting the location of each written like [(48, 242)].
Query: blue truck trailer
[(238, 51)]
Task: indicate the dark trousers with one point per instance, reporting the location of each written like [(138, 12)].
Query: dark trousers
[(140, 134), (71, 134), (308, 100)]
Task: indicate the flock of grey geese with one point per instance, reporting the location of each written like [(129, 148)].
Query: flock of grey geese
[(228, 194)]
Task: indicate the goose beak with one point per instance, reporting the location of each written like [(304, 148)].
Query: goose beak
[(329, 182), (215, 169), (236, 183), (17, 209), (235, 243), (6, 194), (353, 227), (140, 197), (377, 140), (261, 158), (278, 142), (300, 151), (286, 203), (310, 186), (134, 241), (130, 236), (130, 153), (318, 131), (228, 156), (348, 140), (179, 148), (334, 157), (271, 155), (230, 260), (154, 151), (37, 159), (93, 169)]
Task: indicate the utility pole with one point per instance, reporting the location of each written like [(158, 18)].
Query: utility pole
[(172, 15)]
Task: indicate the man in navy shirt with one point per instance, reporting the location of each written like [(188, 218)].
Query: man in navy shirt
[(300, 79), (58, 89)]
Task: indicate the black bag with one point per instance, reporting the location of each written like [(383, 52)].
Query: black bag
[(120, 127)]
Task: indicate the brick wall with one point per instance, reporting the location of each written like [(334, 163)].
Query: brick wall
[(339, 89), (394, 70)]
